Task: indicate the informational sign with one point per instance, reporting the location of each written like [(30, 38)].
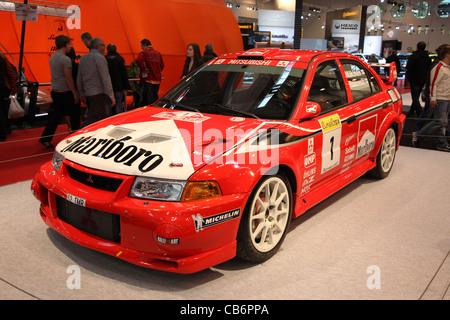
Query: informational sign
[(280, 23), (26, 12), (345, 23), (346, 26)]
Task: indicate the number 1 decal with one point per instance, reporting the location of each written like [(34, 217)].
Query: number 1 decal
[(331, 145), (331, 148)]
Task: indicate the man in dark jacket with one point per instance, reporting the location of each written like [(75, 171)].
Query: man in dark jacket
[(119, 79), (209, 54), (416, 73), (393, 58)]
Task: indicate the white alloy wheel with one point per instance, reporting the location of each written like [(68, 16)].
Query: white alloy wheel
[(387, 152), (386, 155), (269, 214)]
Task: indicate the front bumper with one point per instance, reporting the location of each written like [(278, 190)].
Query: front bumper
[(167, 236)]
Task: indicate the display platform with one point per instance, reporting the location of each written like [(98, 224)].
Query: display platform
[(374, 239)]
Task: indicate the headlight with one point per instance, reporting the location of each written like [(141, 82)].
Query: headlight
[(155, 189), (173, 190), (57, 160)]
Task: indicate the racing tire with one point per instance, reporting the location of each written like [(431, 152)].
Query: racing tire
[(266, 219), (386, 156)]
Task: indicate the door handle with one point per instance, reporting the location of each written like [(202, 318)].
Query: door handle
[(351, 119)]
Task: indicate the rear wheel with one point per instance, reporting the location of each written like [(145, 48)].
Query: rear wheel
[(266, 219), (386, 156)]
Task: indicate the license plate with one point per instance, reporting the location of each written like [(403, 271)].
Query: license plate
[(76, 200)]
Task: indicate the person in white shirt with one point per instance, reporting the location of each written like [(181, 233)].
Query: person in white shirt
[(439, 101)]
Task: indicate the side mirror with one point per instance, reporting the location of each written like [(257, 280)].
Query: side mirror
[(392, 73), (311, 109)]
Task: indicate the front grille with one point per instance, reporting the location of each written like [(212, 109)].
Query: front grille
[(101, 224), (93, 180)]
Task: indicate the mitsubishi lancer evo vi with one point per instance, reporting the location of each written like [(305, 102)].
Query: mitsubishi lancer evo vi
[(221, 163)]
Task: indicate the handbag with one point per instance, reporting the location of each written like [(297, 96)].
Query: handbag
[(15, 109)]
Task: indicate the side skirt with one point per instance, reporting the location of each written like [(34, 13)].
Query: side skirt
[(309, 200)]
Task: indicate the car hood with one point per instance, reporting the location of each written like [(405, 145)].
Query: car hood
[(159, 143)]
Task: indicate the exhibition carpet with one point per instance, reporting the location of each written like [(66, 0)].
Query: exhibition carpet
[(21, 155)]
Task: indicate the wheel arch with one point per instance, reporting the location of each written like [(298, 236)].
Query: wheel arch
[(388, 122), (289, 174)]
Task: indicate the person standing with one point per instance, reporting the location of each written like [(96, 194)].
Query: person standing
[(373, 59), (427, 110), (151, 64), (439, 102), (416, 72), (208, 55), (192, 61), (94, 82), (119, 79), (63, 91), (393, 58), (8, 87), (86, 38)]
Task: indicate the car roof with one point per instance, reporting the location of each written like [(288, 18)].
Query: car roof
[(282, 54)]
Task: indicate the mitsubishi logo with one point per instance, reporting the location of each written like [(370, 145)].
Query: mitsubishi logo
[(89, 179)]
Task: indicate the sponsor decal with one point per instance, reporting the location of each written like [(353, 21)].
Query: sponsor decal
[(250, 62), (366, 136), (283, 64), (310, 145), (309, 173), (142, 148), (310, 160), (194, 117), (254, 62), (331, 143), (312, 109), (330, 123), (116, 150), (202, 222)]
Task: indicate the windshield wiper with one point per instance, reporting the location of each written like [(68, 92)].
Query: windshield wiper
[(180, 105), (229, 109)]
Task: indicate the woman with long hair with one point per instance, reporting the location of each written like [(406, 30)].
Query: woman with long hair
[(192, 59)]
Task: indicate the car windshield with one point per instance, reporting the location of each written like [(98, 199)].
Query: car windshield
[(262, 92)]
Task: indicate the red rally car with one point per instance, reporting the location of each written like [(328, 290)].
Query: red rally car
[(221, 163)]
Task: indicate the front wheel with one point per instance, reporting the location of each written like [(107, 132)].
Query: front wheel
[(386, 156), (265, 220)]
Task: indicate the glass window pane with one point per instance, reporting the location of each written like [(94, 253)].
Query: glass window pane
[(362, 83), (327, 88)]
